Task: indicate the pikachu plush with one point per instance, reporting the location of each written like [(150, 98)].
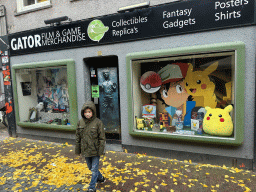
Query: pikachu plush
[(199, 85), (218, 121)]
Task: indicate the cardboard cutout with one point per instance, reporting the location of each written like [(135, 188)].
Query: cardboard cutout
[(150, 82), (199, 85)]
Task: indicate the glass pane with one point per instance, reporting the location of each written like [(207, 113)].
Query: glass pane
[(180, 95), (43, 95), (29, 2)]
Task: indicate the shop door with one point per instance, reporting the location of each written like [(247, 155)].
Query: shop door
[(104, 79)]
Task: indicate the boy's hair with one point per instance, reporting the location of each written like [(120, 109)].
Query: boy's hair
[(158, 93)]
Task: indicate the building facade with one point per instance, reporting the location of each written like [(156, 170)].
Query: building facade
[(173, 79)]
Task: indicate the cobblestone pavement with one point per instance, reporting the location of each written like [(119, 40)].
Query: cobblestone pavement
[(24, 182), (3, 132)]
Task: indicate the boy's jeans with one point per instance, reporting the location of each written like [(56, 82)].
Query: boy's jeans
[(93, 165)]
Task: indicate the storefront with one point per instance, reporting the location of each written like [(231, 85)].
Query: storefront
[(175, 80)]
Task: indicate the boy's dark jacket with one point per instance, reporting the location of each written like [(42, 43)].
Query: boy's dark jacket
[(90, 135)]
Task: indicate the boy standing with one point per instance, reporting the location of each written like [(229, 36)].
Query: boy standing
[(90, 142)]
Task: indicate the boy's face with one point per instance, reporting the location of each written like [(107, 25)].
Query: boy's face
[(88, 113), (176, 95)]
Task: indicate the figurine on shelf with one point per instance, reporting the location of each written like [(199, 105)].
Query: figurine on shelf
[(179, 122), (140, 123), (40, 106)]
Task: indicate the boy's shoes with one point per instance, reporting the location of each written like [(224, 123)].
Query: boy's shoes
[(102, 180), (91, 190)]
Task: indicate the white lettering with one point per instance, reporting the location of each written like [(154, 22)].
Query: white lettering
[(37, 41), (232, 3), (25, 42), (14, 46), (20, 46), (30, 41)]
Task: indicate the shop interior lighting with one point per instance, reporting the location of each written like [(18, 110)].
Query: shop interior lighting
[(132, 7), (57, 21)]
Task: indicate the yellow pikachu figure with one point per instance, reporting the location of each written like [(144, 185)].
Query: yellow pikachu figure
[(140, 123), (218, 121), (199, 85)]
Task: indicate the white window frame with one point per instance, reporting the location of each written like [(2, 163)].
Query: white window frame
[(37, 5)]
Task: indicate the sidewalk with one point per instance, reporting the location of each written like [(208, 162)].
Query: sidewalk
[(31, 165)]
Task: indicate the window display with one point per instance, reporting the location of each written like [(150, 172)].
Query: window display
[(189, 88), (45, 94), (189, 95)]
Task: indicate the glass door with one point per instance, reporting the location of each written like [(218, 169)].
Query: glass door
[(105, 93)]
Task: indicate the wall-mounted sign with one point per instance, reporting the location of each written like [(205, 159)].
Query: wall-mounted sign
[(163, 20), (2, 11), (95, 91)]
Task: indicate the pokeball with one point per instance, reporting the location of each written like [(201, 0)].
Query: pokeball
[(150, 82)]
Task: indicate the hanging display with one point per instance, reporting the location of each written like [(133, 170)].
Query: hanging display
[(26, 88)]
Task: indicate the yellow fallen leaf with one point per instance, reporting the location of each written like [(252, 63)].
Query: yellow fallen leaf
[(248, 189)]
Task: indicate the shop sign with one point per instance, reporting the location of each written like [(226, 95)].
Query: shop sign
[(163, 20), (95, 91)]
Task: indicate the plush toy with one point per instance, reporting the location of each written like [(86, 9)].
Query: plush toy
[(218, 121)]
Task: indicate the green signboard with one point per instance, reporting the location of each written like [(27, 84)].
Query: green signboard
[(95, 91)]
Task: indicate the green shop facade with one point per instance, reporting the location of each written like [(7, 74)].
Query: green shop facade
[(174, 80)]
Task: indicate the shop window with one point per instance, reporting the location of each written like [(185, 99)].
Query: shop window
[(43, 95), (28, 5), (188, 95)]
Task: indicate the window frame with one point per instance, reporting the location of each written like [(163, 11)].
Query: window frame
[(239, 77), (37, 6), (72, 91)]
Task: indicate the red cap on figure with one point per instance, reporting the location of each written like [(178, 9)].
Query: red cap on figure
[(173, 72)]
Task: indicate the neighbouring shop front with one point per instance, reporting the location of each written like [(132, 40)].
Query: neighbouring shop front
[(174, 80)]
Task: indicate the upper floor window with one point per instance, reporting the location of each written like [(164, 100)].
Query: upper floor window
[(27, 5)]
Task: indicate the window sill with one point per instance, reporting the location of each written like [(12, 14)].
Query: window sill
[(47, 126), (32, 10)]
